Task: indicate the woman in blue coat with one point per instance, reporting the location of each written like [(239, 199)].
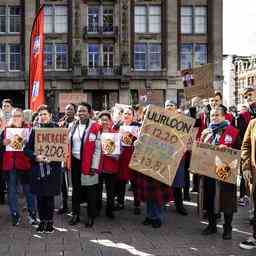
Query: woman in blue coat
[(45, 175)]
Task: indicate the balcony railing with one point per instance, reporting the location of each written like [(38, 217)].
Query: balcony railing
[(99, 31)]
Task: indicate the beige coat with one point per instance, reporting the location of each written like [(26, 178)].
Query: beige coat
[(248, 149)]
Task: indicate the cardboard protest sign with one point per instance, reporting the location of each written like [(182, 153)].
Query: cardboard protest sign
[(161, 144), (18, 138), (218, 163), (74, 97), (110, 143), (192, 138), (128, 134), (198, 82), (52, 143)]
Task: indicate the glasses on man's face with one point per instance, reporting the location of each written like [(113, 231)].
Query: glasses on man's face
[(17, 116)]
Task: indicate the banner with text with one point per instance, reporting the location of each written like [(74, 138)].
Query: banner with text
[(52, 143), (218, 163), (162, 142)]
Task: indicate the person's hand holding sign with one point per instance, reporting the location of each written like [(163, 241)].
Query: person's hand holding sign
[(6, 142)]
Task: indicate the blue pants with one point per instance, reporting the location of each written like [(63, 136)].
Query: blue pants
[(154, 211), (12, 185)]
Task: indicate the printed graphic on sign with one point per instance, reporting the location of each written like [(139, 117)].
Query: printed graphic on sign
[(218, 163), (128, 134), (52, 143), (110, 143), (18, 138)]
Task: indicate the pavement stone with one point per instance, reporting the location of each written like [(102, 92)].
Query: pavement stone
[(124, 236)]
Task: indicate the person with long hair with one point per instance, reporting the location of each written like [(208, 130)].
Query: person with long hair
[(125, 173), (17, 167), (45, 175)]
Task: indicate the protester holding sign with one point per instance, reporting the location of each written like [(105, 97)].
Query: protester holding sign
[(17, 167), (179, 181), (66, 122), (218, 196), (45, 175), (109, 162), (129, 133)]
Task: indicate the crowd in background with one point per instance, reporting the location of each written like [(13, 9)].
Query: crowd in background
[(92, 172)]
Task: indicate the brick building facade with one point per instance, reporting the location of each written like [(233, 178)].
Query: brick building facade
[(123, 51)]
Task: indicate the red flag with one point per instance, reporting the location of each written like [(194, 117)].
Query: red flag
[(36, 62)]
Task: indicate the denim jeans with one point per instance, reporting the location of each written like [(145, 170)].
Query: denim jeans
[(154, 211), (12, 179)]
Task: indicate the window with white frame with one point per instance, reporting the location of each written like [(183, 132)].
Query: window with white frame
[(3, 57), (55, 56), (14, 57), (93, 55), (108, 19), (193, 20), (200, 20), (186, 20), (56, 19), (186, 56), (93, 19), (14, 18), (10, 59), (147, 57), (200, 54), (108, 55), (140, 19), (147, 19), (193, 55), (154, 56), (154, 19), (10, 19)]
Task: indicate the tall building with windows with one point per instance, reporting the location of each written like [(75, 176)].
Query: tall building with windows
[(109, 51)]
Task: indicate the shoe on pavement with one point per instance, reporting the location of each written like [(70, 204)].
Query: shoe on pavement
[(147, 222), (41, 227), (15, 220), (49, 227), (209, 230), (248, 244), (156, 223), (74, 220)]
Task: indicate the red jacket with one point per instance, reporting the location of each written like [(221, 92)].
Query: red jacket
[(88, 148), (15, 160), (109, 164), (229, 117), (229, 136)]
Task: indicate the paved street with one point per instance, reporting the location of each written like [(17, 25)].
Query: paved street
[(123, 236)]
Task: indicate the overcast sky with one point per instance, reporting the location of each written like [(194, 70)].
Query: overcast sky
[(239, 27)]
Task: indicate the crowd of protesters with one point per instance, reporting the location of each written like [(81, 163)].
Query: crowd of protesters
[(90, 170)]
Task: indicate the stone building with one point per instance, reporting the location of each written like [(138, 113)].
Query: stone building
[(109, 51)]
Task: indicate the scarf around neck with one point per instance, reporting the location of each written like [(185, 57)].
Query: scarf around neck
[(216, 131)]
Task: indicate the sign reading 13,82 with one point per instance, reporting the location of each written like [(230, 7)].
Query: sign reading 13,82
[(52, 143)]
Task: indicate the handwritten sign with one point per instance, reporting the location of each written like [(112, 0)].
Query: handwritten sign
[(218, 163), (162, 143), (18, 138), (110, 143), (73, 97), (52, 143), (198, 82)]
